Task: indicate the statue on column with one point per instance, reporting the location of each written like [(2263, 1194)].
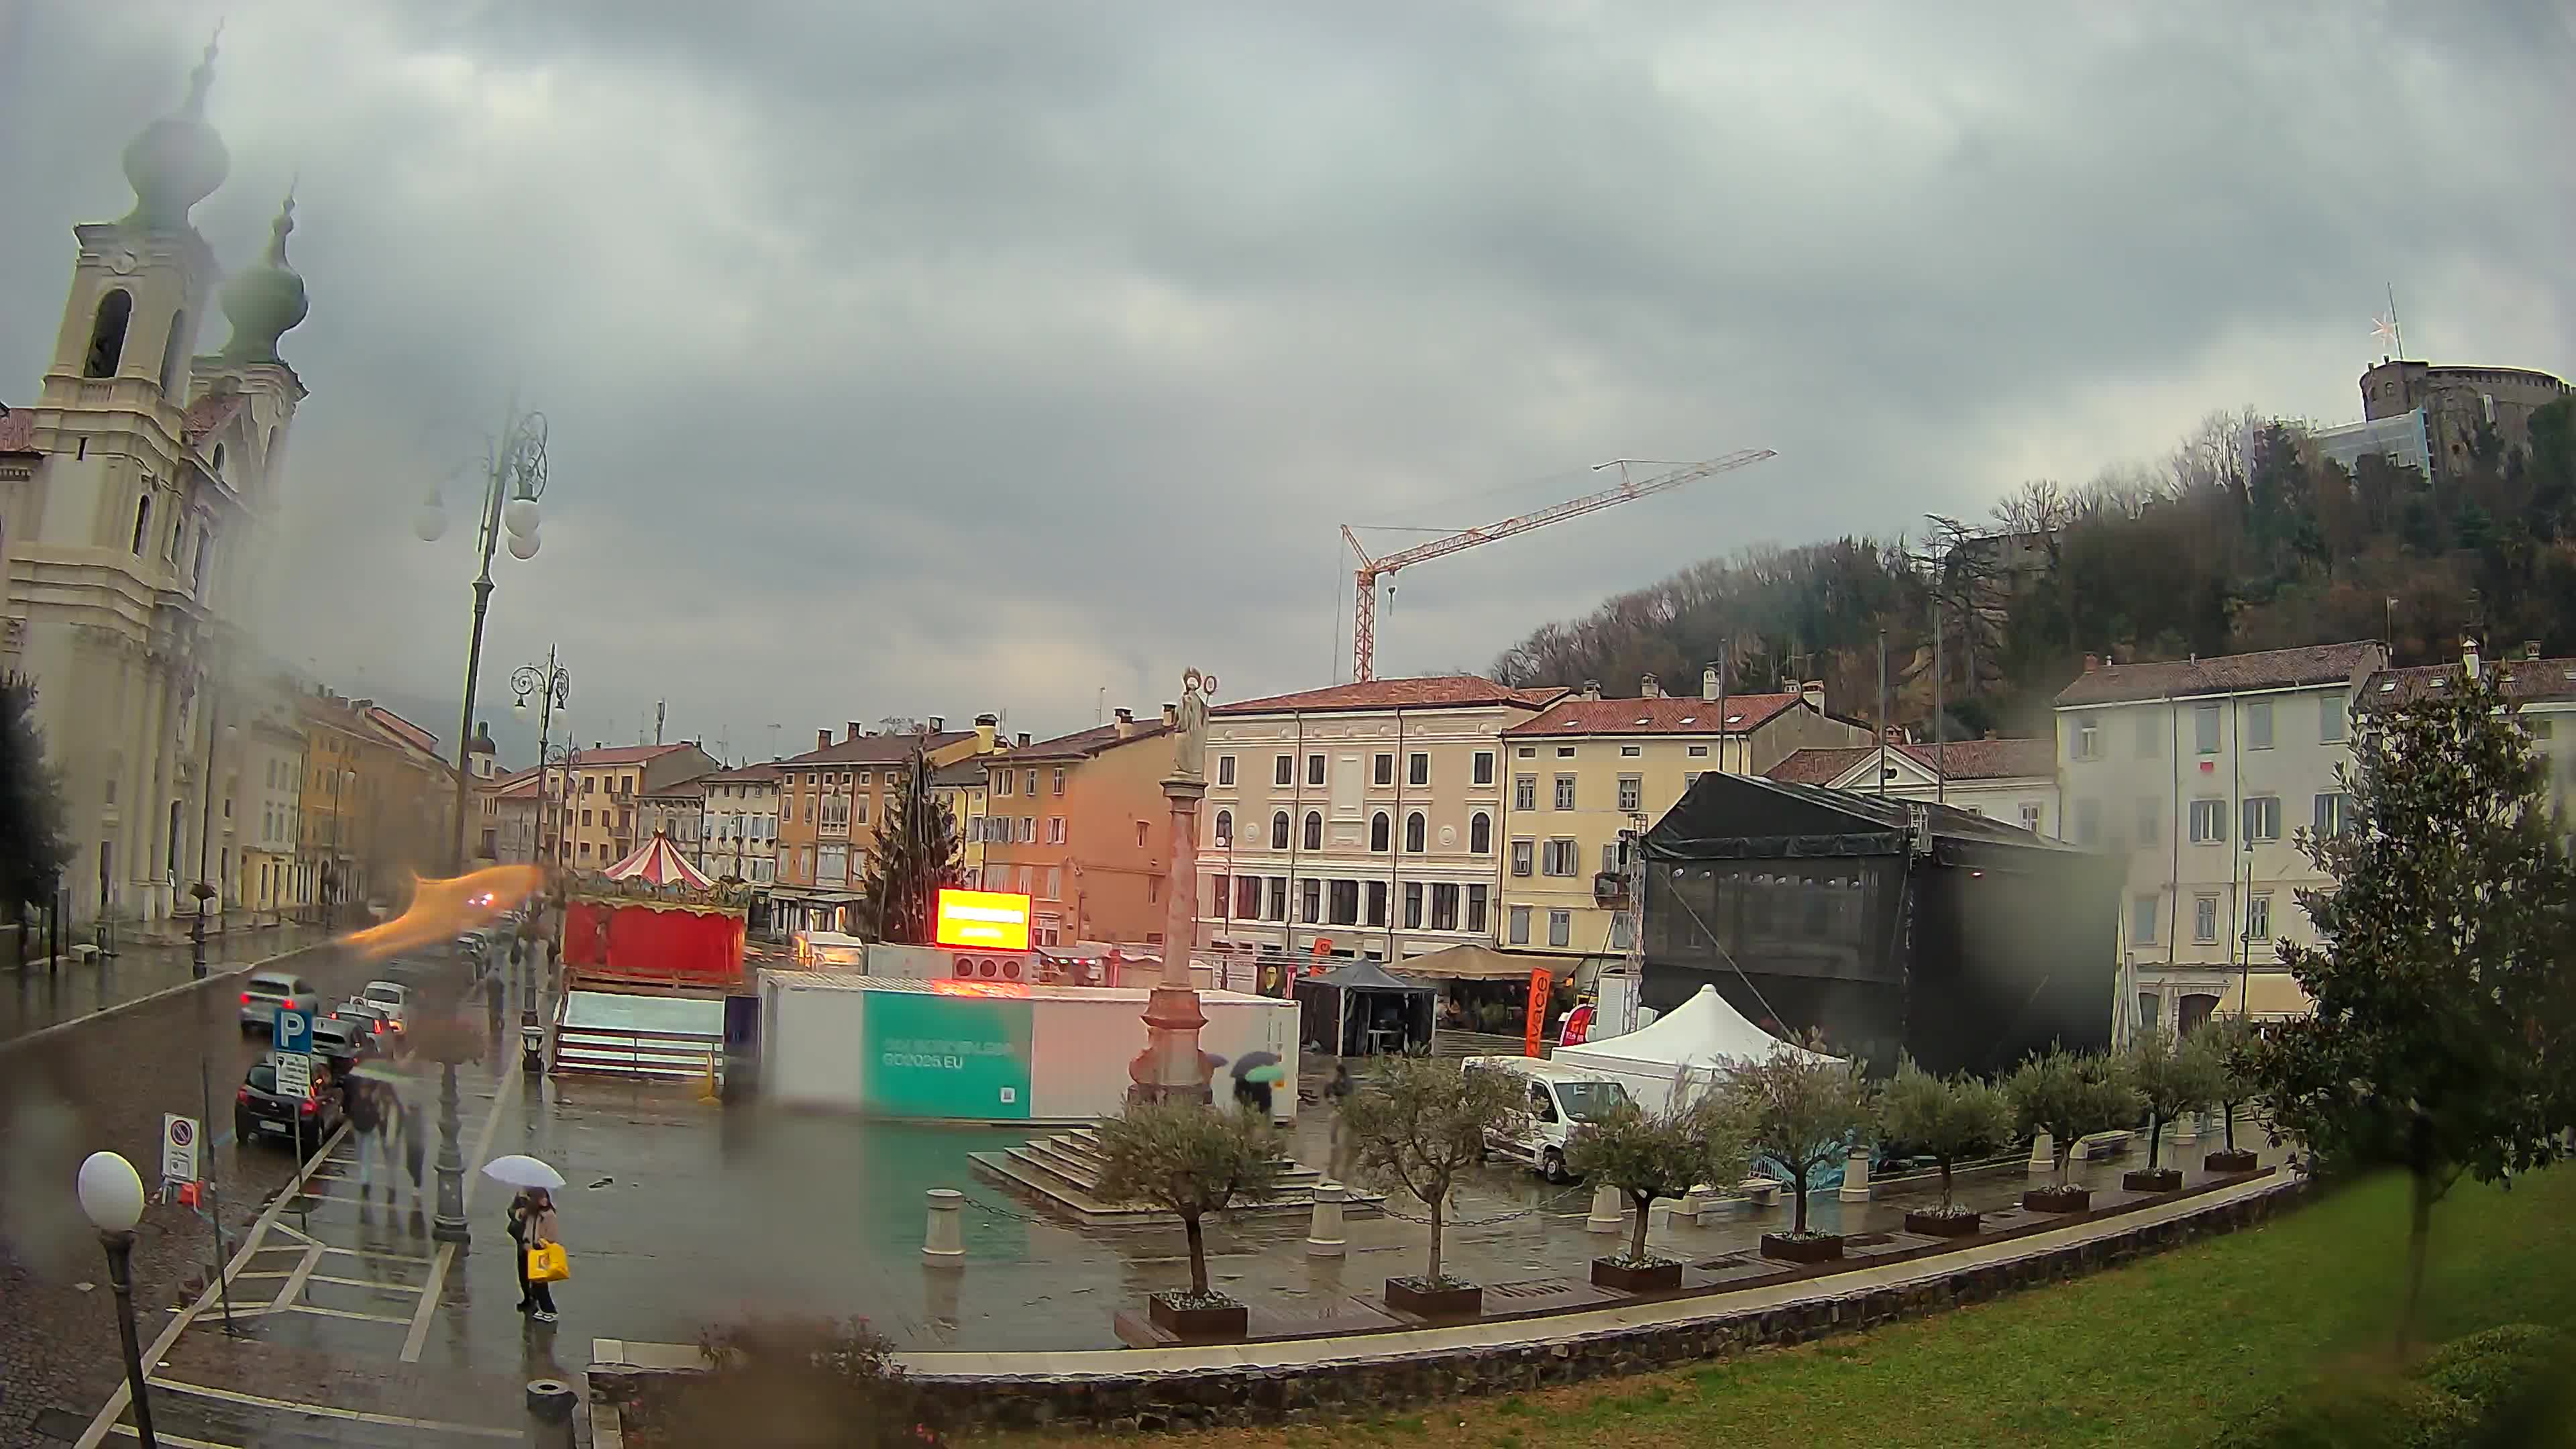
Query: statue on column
[(1189, 745)]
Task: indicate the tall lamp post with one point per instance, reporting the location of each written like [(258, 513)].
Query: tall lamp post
[(205, 835), (553, 686), (514, 482), (1172, 1067), (111, 1196)]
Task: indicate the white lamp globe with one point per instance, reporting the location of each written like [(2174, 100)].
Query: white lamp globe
[(429, 521), (519, 515), (523, 545), (111, 1195)]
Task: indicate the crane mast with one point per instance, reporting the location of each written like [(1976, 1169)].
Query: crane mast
[(1370, 570)]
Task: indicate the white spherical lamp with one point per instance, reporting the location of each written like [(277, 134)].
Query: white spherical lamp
[(523, 545), (429, 521), (519, 515), (111, 1194)]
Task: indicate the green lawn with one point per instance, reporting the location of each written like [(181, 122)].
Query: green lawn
[(2153, 1354)]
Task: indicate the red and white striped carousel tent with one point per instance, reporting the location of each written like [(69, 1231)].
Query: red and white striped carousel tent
[(655, 863)]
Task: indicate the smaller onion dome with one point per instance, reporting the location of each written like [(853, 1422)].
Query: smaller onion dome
[(178, 160), (266, 299)]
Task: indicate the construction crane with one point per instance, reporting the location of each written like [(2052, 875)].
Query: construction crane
[(1364, 615)]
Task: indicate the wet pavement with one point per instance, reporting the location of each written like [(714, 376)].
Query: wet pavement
[(36, 996)]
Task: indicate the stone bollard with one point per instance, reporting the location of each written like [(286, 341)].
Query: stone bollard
[(1324, 1233), (1856, 1176), (945, 1242), (2043, 1155), (1609, 1211), (550, 1407)]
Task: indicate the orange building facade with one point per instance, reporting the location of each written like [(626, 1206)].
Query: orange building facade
[(832, 800), (1080, 825)]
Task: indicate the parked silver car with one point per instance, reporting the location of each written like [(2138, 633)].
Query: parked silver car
[(268, 992)]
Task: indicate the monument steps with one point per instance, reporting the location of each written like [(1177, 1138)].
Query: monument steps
[(1063, 1171)]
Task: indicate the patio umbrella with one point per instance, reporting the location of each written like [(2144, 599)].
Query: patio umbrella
[(1267, 1072), (518, 1170)]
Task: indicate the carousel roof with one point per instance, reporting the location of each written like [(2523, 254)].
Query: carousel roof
[(657, 863)]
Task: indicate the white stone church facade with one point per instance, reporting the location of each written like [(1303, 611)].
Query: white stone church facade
[(136, 496)]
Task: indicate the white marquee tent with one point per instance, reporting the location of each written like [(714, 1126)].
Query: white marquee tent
[(1696, 1041)]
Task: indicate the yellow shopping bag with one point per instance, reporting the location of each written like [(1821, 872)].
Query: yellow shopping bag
[(548, 1264)]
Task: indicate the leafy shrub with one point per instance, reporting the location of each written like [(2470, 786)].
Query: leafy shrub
[(2353, 1411), (2513, 1379), (797, 1383)]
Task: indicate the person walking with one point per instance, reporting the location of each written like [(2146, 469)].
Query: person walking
[(537, 1220), (519, 1254), (368, 1102)]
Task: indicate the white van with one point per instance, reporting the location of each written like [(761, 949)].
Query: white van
[(1557, 1100)]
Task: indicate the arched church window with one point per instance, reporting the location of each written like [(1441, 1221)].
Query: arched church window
[(174, 357), (107, 334), (219, 460), (142, 522)]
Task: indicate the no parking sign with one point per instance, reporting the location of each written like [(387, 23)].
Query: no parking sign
[(178, 1148)]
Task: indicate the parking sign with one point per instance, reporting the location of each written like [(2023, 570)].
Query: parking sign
[(294, 1075), (178, 1148), (294, 1030)]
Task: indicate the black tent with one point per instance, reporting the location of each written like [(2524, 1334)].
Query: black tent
[(1885, 924), (1339, 1012)]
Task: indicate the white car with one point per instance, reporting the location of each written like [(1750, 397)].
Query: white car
[(392, 998)]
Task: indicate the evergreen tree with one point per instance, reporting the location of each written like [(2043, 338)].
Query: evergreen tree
[(915, 856), (33, 845), (2445, 1003)]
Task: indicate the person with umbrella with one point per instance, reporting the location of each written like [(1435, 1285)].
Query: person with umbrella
[(532, 1223), (1255, 1073)]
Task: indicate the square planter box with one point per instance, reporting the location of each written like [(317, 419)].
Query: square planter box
[(1458, 1300), (1944, 1225), (2225, 1161), (2057, 1200), (1206, 1323), (2153, 1179), (1819, 1248), (1655, 1277)]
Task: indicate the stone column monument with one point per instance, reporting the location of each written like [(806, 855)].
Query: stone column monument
[(1172, 1065)]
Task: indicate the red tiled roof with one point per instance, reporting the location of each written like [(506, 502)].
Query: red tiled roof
[(403, 729), (761, 774), (1662, 715), (2013, 759), (1081, 744), (2524, 679), (623, 755), (513, 786), (18, 431), (2186, 678), (1815, 766), (1437, 691), (877, 749)]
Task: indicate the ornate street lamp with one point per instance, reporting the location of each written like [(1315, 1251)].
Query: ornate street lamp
[(111, 1196)]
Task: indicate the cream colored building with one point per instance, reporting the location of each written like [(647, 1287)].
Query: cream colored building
[(963, 788), (1588, 770), (136, 498), (2013, 781), (598, 798), (739, 838), (268, 816), (1367, 817)]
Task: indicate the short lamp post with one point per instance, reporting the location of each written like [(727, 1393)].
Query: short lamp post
[(111, 1195)]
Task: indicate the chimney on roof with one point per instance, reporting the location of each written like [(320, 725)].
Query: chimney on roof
[(854, 730), (2092, 662), (988, 729), (939, 724), (1021, 739), (1896, 734), (1649, 687), (2531, 650), (2469, 655), (362, 705), (1990, 735), (1813, 692), (1126, 723), (1708, 683), (1171, 716), (822, 739), (1592, 689)]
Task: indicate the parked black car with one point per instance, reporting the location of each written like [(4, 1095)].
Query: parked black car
[(260, 1110), (343, 1042)]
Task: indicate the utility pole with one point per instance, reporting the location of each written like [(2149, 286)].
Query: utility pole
[(658, 706), (1882, 712), (1940, 734)]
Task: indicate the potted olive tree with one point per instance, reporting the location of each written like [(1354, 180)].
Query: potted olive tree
[(2234, 1049), (1948, 1119), (2170, 1078), (1189, 1159), (2069, 1097), (1416, 1125), (1647, 1153), (1801, 1112)]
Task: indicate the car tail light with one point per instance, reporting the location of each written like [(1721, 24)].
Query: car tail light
[(245, 998), (241, 1098), (308, 1108)]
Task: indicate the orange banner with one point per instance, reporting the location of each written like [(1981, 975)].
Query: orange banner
[(1537, 1013)]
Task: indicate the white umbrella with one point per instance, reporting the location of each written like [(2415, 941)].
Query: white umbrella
[(517, 1170)]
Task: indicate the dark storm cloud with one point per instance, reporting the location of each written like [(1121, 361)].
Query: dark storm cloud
[(929, 359)]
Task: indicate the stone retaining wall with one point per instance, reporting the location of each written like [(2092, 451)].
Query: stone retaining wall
[(1377, 1382)]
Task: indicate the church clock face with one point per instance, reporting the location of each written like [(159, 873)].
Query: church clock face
[(123, 261)]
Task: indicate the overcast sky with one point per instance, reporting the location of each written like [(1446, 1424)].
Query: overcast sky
[(929, 359)]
